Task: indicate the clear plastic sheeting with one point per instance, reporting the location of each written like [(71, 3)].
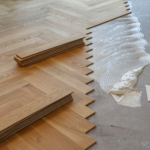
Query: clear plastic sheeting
[(118, 47), (148, 92)]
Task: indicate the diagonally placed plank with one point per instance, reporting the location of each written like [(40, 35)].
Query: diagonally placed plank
[(80, 109), (70, 119), (15, 142), (35, 139), (58, 139), (79, 137), (78, 96), (75, 62), (58, 72)]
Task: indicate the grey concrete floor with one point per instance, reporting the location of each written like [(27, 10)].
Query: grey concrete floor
[(119, 127)]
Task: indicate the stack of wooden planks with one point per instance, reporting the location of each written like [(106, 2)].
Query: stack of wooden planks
[(48, 50), (22, 116), (32, 25)]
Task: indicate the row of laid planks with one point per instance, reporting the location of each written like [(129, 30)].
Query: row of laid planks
[(27, 25), (24, 91)]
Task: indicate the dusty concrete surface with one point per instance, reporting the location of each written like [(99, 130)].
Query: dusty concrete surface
[(119, 127)]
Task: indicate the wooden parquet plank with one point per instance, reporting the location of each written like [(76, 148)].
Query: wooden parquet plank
[(10, 96), (69, 70), (75, 62), (35, 139), (9, 107), (42, 86), (12, 86), (82, 98), (79, 137), (51, 80), (80, 109), (32, 91), (25, 99), (59, 73), (78, 96), (70, 119), (58, 139), (15, 142), (3, 146)]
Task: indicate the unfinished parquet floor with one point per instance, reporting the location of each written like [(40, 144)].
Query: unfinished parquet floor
[(29, 24), (65, 73)]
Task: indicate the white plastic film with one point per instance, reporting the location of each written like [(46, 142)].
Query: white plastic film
[(148, 92), (118, 47)]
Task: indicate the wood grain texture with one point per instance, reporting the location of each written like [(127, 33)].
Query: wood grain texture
[(49, 50), (27, 29), (29, 25), (37, 84)]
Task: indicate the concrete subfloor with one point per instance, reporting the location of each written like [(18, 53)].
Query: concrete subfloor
[(119, 127)]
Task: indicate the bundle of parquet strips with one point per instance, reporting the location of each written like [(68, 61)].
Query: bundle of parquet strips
[(20, 118), (48, 50)]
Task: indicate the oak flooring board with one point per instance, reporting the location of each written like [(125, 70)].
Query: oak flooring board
[(42, 86), (54, 37), (13, 78), (35, 139), (80, 109), (57, 25), (25, 99), (82, 98), (32, 91), (3, 146), (9, 107), (58, 72), (68, 70), (59, 140), (21, 30), (86, 48), (48, 78), (81, 53), (104, 20), (11, 70), (10, 96), (15, 142), (68, 23), (70, 119), (12, 86), (79, 137), (51, 80), (11, 39), (30, 17), (87, 43), (19, 45), (75, 62), (60, 9)]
